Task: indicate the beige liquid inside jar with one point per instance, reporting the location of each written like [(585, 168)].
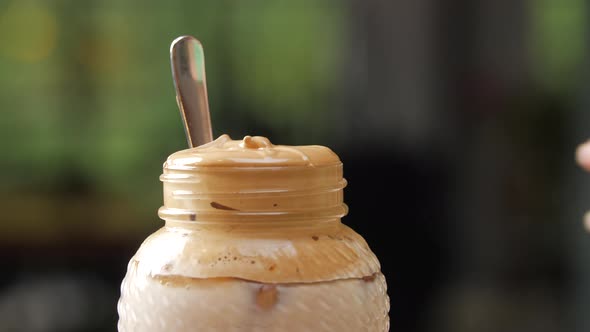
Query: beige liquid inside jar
[(253, 242)]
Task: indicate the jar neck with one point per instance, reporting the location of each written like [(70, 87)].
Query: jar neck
[(254, 196), (258, 227)]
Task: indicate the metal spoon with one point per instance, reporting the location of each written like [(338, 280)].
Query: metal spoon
[(188, 71)]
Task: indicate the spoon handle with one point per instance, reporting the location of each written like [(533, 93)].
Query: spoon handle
[(188, 71)]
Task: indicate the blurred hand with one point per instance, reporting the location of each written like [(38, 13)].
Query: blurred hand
[(583, 155), (583, 158)]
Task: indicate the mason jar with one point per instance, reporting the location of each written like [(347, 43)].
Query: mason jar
[(253, 241)]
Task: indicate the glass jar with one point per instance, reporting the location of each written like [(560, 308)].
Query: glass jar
[(253, 241)]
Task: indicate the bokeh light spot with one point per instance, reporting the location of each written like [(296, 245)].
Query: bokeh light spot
[(28, 32)]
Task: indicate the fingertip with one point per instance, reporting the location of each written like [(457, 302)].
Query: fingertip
[(583, 155), (587, 221)]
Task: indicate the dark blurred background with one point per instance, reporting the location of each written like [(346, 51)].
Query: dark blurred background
[(456, 121)]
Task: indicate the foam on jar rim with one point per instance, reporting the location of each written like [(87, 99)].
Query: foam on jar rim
[(252, 151)]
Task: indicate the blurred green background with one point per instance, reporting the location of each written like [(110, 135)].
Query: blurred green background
[(456, 122), (89, 102)]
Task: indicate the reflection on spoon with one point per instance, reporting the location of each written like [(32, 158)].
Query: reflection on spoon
[(188, 71)]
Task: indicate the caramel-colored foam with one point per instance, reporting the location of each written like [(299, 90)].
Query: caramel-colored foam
[(254, 151)]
